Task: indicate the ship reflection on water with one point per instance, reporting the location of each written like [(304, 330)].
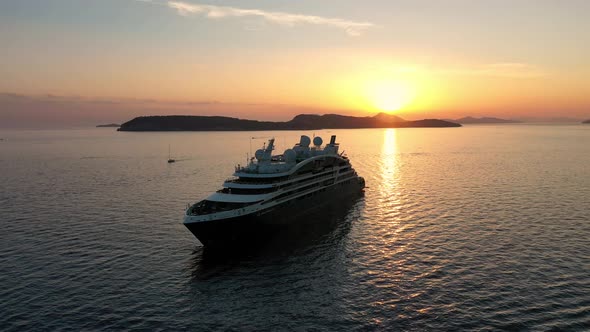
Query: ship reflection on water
[(326, 229)]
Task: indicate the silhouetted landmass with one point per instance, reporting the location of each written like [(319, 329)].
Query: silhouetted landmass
[(587, 121), (558, 119), (472, 120), (300, 122), (111, 125)]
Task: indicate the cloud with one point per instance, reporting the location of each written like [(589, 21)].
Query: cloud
[(352, 28)]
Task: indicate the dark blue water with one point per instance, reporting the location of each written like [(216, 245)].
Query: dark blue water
[(474, 228)]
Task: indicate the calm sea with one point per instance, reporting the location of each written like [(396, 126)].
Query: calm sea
[(473, 228)]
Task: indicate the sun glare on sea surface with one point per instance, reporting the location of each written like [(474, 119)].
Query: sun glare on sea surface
[(389, 96)]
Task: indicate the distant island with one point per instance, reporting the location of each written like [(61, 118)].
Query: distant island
[(300, 122), (472, 120), (587, 121), (110, 125)]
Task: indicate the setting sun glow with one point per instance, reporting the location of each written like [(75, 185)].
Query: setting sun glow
[(390, 95)]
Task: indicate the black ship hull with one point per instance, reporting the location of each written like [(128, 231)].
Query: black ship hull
[(260, 226)]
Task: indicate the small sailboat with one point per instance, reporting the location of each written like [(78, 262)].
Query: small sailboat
[(170, 160)]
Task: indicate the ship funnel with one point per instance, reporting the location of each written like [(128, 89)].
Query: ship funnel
[(333, 140)]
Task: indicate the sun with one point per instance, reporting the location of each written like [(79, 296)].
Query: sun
[(389, 95)]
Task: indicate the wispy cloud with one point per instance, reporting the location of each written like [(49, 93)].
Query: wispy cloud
[(352, 28)]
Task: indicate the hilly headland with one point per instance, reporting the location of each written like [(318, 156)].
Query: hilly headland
[(109, 125), (299, 122), (483, 120)]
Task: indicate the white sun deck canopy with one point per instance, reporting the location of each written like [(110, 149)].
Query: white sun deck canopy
[(264, 164)]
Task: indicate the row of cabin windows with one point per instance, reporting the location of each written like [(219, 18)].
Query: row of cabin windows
[(305, 180), (260, 191), (240, 191), (293, 201), (245, 180), (322, 190), (305, 170), (343, 183), (321, 165), (291, 193), (346, 176)]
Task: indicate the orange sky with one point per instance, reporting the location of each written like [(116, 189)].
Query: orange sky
[(417, 59)]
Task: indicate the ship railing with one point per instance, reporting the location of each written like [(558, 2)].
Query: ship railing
[(246, 168), (240, 181), (206, 210), (252, 181)]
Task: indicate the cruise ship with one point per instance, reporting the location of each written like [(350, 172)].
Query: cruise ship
[(274, 190)]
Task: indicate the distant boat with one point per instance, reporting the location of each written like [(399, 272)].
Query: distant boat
[(170, 160)]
